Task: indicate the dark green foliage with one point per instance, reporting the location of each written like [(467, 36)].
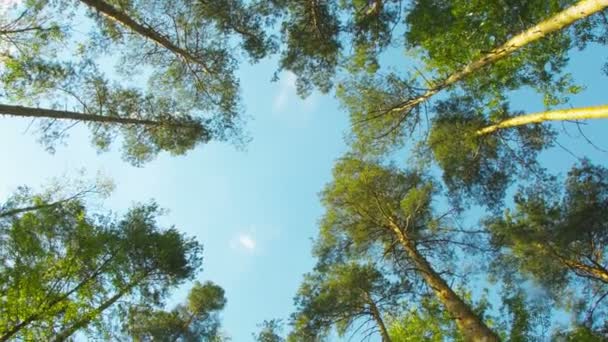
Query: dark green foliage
[(559, 241), (196, 320), (480, 167), (310, 32), (580, 334), (270, 331), (322, 37)]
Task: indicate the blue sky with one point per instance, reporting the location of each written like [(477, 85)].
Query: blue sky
[(256, 210)]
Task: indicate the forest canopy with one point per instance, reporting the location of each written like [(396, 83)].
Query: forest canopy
[(442, 220)]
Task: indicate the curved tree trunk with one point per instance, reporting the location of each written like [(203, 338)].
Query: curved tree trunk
[(377, 318), (559, 21), (471, 326), (380, 322), (145, 31), (583, 113)]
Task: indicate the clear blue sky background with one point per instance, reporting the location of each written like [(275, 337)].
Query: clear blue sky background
[(256, 210)]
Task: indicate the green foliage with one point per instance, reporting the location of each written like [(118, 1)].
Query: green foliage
[(165, 125), (370, 101), (429, 321), (557, 240), (470, 29), (320, 37), (310, 32), (192, 93), (62, 269), (481, 167), (365, 198), (196, 320), (579, 334), (270, 331), (343, 296)]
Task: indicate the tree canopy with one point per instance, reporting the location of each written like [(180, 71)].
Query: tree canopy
[(442, 221)]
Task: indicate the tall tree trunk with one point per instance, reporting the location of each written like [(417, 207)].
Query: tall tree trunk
[(17, 211), (44, 113), (32, 318), (471, 326), (559, 21), (87, 318), (378, 318), (597, 272), (585, 270), (147, 32), (597, 112)]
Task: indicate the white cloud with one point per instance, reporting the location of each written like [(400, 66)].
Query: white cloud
[(244, 241), (247, 242), (288, 101), (287, 89)]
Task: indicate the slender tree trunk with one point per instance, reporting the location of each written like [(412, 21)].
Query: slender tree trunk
[(379, 321), (32, 318), (471, 326), (597, 112), (18, 211), (86, 319), (44, 113), (147, 32), (559, 21), (598, 273)]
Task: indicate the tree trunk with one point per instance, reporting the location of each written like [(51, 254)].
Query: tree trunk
[(471, 326), (44, 113), (379, 321), (559, 21), (86, 319), (17, 211), (597, 112), (147, 32), (598, 273)]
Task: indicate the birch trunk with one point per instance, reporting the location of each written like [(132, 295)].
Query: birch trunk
[(559, 21), (583, 113)]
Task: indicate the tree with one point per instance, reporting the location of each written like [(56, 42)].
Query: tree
[(270, 331), (585, 113), (192, 94), (63, 269), (429, 322), (480, 167), (320, 37), (516, 44), (196, 320), (346, 297), (371, 206), (558, 237)]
